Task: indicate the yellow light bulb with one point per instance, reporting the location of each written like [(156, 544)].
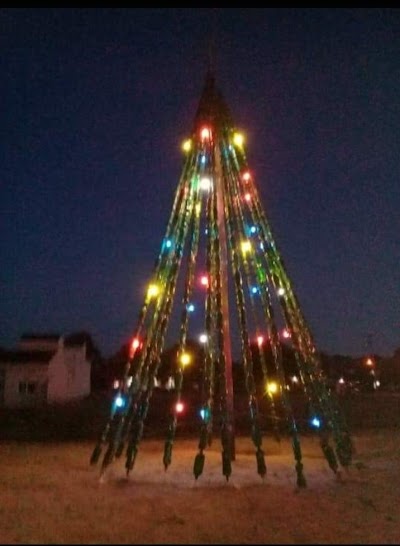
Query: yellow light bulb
[(238, 139), (246, 246), (153, 291), (272, 387), (187, 145), (185, 359)]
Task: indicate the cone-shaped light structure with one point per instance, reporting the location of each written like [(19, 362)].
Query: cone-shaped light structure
[(218, 232)]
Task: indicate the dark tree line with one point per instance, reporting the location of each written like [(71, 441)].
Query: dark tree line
[(353, 370)]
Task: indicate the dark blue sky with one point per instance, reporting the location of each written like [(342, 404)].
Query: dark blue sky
[(95, 103)]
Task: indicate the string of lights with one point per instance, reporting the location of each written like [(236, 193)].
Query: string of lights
[(219, 225)]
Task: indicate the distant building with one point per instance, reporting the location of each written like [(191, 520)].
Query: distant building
[(44, 368)]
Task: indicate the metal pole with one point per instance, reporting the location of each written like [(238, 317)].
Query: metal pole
[(225, 297)]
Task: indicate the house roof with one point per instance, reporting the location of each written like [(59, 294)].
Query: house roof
[(22, 357), (40, 355), (75, 339)]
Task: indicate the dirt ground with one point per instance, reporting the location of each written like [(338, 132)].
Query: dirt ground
[(49, 494)]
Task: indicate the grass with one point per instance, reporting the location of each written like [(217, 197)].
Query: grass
[(51, 495)]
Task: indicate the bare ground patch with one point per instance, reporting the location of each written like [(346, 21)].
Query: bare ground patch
[(50, 494)]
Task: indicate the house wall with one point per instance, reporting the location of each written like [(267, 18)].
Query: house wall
[(66, 376), (57, 378), (78, 371), (69, 374), (25, 373)]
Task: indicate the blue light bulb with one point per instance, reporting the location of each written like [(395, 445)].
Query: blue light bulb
[(315, 422), (119, 401)]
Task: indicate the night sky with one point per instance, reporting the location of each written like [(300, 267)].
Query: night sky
[(95, 103)]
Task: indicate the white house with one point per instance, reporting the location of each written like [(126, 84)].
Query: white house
[(44, 369)]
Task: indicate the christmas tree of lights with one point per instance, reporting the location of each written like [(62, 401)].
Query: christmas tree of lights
[(218, 237)]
